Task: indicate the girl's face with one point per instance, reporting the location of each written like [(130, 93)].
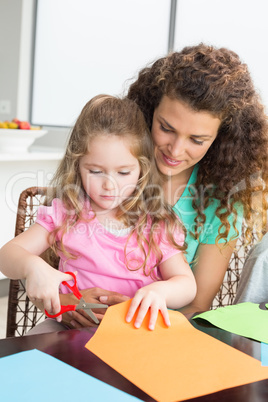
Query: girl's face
[(181, 136), (109, 172)]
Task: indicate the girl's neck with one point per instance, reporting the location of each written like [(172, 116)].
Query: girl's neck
[(175, 185), (106, 217), (110, 222)]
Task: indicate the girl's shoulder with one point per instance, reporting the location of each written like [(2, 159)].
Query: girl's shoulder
[(55, 205), (53, 214)]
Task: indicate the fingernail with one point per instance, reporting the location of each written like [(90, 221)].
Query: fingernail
[(70, 313), (103, 299), (73, 323)]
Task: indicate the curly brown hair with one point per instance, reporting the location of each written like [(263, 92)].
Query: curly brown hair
[(216, 81)]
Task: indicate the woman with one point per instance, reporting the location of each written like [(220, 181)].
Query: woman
[(210, 135), (211, 141)]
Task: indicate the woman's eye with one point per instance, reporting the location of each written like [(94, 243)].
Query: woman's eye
[(198, 142), (163, 128)]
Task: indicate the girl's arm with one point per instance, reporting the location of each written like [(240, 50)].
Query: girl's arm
[(209, 271), (19, 259), (177, 289)]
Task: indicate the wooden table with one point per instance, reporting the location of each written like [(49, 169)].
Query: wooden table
[(68, 346)]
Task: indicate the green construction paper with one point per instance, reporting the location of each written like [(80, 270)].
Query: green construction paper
[(245, 319)]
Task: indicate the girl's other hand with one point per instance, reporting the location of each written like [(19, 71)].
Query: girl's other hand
[(148, 298)]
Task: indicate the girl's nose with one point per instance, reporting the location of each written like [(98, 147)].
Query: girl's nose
[(108, 183)]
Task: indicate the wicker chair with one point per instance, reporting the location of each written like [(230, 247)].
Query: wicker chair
[(227, 292), (23, 315)]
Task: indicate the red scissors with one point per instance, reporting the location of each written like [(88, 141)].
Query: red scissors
[(81, 305)]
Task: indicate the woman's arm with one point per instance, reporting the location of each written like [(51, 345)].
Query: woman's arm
[(209, 270), (19, 259), (177, 288)]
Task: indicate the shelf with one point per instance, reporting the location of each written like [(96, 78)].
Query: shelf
[(31, 156)]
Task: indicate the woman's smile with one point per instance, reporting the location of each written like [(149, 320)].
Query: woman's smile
[(170, 161)]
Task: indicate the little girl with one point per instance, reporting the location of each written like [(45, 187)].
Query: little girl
[(107, 220)]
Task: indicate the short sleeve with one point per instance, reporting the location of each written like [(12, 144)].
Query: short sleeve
[(52, 216), (167, 249)]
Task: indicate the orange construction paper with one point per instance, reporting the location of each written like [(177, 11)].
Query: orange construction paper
[(171, 364)]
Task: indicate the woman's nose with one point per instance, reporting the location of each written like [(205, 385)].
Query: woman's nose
[(176, 147)]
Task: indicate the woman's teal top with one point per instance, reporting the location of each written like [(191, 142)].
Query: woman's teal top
[(210, 230)]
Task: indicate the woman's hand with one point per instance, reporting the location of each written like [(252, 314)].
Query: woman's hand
[(80, 319)]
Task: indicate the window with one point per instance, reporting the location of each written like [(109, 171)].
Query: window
[(85, 47)]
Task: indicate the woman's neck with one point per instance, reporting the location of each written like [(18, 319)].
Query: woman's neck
[(175, 185)]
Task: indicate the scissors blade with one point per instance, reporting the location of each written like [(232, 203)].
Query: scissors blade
[(83, 305), (92, 316), (88, 306), (96, 305)]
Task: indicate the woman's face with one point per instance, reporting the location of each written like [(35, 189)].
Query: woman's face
[(181, 136)]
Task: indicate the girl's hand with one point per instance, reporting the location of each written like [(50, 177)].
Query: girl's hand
[(42, 286), (145, 298)]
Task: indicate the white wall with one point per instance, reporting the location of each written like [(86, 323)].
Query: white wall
[(91, 48), (237, 24), (10, 31), (240, 25)]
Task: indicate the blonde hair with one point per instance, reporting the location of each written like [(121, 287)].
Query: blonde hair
[(108, 115)]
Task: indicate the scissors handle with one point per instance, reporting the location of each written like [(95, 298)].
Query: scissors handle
[(64, 309), (74, 289)]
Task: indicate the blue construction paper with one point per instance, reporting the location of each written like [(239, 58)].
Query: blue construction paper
[(264, 354), (32, 376)]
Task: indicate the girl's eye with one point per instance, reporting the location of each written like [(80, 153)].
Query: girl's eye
[(124, 173), (198, 142), (95, 171)]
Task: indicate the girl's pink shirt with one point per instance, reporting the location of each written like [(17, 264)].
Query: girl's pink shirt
[(100, 254)]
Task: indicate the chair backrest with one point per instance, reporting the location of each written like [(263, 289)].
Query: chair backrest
[(226, 294), (23, 315)]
